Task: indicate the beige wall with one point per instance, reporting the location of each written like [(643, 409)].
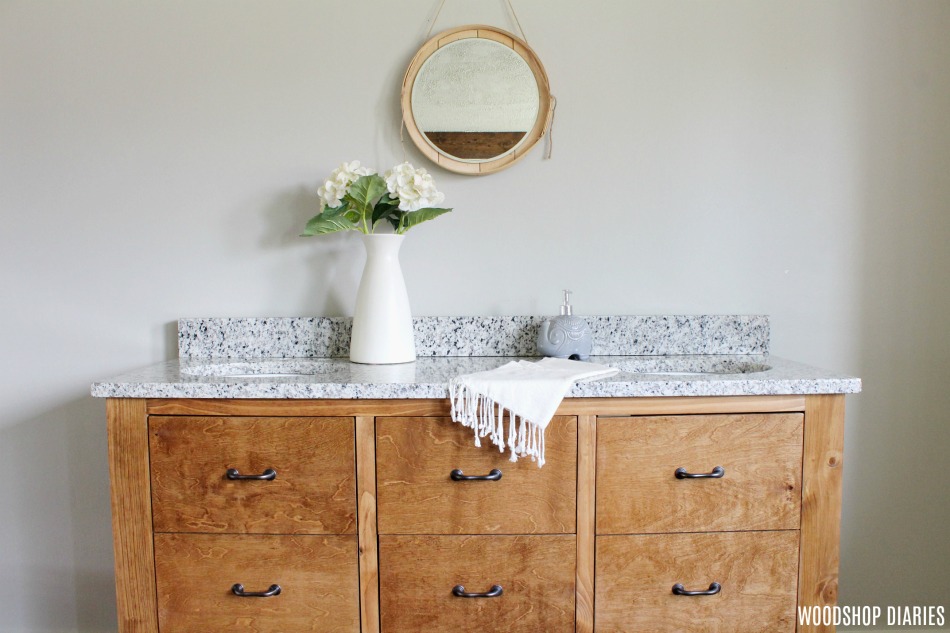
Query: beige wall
[(157, 160)]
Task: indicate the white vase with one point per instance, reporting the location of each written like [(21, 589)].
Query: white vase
[(382, 322)]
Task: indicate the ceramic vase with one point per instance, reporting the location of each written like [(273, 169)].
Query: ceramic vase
[(382, 321)]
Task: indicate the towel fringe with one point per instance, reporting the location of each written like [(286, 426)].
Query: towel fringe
[(486, 419)]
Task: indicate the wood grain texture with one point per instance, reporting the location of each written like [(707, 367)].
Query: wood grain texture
[(816, 565), (821, 504), (417, 574), (605, 407), (317, 575), (638, 493), (757, 571), (314, 491), (131, 516), (440, 406), (416, 496), (297, 408), (366, 490), (586, 478), (474, 144)]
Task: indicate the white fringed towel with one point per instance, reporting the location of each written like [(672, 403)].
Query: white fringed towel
[(529, 392)]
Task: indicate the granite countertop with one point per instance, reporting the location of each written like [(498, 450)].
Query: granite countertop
[(299, 358)]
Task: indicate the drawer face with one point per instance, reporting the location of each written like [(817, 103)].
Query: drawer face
[(637, 458), (757, 572), (418, 573), (314, 491), (416, 495), (317, 576)]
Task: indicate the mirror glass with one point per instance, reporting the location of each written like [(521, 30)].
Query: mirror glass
[(475, 99)]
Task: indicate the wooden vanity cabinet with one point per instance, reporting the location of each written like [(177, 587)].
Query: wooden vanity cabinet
[(364, 527), (450, 515), (709, 503)]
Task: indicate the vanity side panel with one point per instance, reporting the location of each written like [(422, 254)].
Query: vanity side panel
[(132, 516), (821, 505)]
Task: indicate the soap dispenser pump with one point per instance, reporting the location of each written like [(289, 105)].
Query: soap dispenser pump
[(565, 336)]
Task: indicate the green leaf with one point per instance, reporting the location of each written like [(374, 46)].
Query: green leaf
[(395, 219), (388, 199), (332, 212), (384, 208), (361, 195), (321, 225), (412, 218), (365, 190)]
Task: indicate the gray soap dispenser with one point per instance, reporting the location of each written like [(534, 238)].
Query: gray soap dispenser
[(565, 336)]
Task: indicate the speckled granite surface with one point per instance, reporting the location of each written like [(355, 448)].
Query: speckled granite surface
[(428, 378), (301, 358), (329, 337)]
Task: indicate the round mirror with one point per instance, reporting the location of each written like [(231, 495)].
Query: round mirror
[(475, 99)]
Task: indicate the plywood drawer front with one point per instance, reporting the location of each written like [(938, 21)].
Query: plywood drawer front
[(416, 495), (756, 571), (638, 492), (317, 576), (418, 574), (314, 491)]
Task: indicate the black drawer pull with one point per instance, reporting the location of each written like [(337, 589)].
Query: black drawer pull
[(493, 475), (238, 590), (680, 590), (494, 592), (268, 475), (716, 473)]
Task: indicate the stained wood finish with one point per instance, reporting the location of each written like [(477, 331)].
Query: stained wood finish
[(606, 407), (570, 406), (417, 574), (297, 408), (757, 570), (314, 492), (586, 477), (474, 144), (131, 516), (821, 505), (637, 491), (818, 565), (416, 495), (366, 489), (317, 575)]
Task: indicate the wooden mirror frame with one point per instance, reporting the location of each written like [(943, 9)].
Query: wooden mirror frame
[(545, 101)]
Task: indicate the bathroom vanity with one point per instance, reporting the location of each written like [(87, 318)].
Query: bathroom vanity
[(260, 483)]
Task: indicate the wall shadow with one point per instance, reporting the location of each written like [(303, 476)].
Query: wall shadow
[(57, 554), (894, 549)]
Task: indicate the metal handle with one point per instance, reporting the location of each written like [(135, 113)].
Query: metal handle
[(268, 475), (494, 592), (714, 588), (238, 590), (493, 475), (716, 473)]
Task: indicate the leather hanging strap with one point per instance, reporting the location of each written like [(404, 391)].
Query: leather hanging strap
[(510, 8), (432, 23)]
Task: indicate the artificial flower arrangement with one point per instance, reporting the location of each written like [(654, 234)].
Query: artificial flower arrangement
[(357, 198)]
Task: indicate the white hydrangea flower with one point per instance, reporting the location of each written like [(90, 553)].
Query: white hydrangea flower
[(414, 188), (332, 192)]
